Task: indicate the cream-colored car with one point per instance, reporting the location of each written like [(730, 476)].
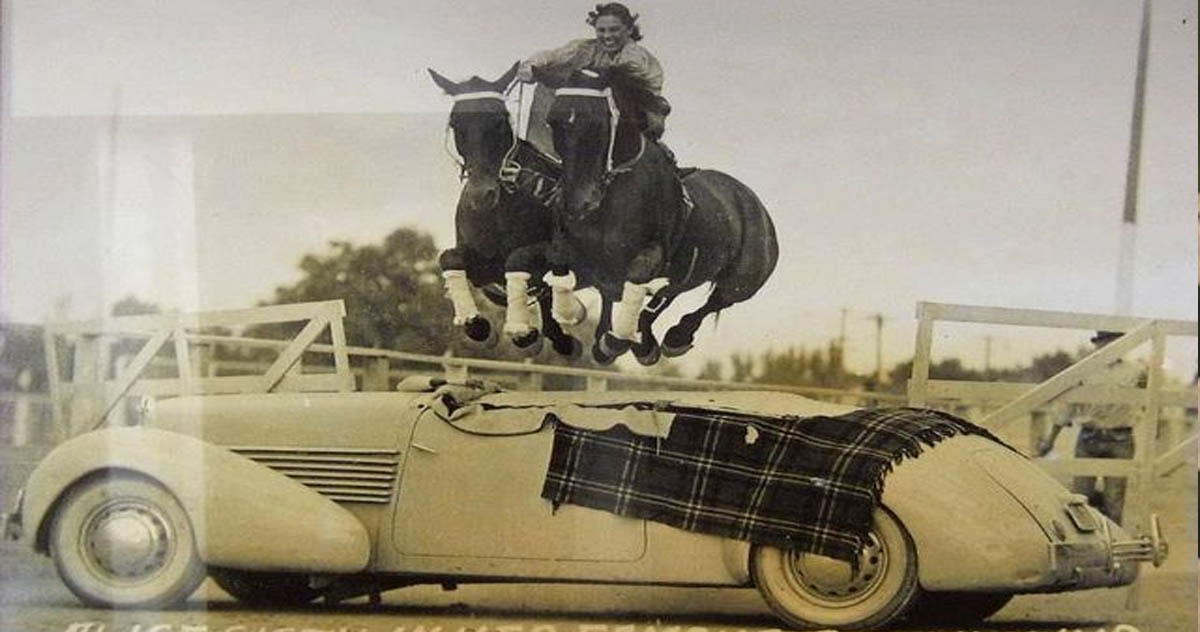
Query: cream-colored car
[(288, 497)]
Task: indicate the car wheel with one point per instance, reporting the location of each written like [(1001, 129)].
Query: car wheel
[(121, 540), (952, 608), (814, 591), (265, 589)]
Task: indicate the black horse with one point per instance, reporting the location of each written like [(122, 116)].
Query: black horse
[(503, 223), (633, 228)]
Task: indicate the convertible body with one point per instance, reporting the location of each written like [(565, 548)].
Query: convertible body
[(344, 494)]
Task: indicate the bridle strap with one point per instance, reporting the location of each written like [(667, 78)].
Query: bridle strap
[(583, 92), (472, 96)]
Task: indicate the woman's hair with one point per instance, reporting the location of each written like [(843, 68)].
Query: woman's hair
[(619, 11)]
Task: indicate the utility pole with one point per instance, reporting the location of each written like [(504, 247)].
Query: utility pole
[(987, 354), (1126, 256), (879, 350), (842, 345)]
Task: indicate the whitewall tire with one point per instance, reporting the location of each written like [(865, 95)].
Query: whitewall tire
[(813, 591), (120, 540)]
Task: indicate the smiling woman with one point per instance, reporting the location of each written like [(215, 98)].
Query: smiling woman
[(615, 44)]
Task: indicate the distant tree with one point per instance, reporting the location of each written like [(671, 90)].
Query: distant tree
[(392, 292), (1047, 365), (131, 305), (1041, 368), (743, 367), (711, 371), (22, 358)]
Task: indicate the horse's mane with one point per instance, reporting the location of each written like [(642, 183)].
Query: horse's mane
[(633, 91)]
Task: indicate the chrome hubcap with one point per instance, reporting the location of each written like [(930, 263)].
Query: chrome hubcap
[(127, 540), (835, 581)]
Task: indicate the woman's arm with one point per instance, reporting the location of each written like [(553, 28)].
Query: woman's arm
[(552, 61)]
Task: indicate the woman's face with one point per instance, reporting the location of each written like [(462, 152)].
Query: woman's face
[(612, 33)]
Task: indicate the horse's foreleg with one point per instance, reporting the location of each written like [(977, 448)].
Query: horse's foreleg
[(458, 290), (640, 283), (563, 342), (566, 308), (599, 352)]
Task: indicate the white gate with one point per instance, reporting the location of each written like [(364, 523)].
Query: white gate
[(1016, 401), (91, 395)]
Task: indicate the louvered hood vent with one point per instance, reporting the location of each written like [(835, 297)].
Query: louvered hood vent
[(343, 475)]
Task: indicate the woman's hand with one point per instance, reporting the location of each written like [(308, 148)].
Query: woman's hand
[(525, 72)]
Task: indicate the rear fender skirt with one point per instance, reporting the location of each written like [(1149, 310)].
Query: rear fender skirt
[(244, 515), (969, 532)]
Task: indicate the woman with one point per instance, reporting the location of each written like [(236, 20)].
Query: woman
[(615, 44)]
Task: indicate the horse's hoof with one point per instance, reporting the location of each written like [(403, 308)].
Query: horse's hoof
[(480, 333), (612, 345), (530, 343), (675, 346), (568, 346), (648, 352), (600, 357), (675, 352)]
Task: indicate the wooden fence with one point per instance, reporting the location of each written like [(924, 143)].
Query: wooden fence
[(1002, 405)]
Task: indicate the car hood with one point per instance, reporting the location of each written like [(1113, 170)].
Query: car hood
[(327, 420)]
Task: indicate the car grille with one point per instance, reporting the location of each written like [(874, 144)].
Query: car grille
[(352, 476)]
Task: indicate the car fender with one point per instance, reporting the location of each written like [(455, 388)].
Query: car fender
[(244, 515), (970, 533)]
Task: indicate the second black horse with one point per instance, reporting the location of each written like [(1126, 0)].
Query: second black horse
[(634, 228)]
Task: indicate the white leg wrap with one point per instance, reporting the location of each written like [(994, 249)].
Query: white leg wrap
[(516, 318), (459, 293), (565, 306), (625, 313)]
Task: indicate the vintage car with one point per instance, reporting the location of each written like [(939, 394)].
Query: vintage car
[(289, 497)]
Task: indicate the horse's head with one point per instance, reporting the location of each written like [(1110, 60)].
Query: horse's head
[(597, 118), (483, 135)]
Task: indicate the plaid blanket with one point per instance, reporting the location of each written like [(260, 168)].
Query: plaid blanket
[(809, 484)]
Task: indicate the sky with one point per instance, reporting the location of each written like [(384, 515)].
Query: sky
[(953, 151)]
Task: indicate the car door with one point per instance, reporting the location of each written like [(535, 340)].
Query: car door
[(469, 495)]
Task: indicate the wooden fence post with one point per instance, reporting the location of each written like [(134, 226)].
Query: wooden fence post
[(533, 379), (87, 384), (454, 372), (375, 377), (922, 349)]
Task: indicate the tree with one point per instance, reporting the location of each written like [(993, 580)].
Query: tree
[(710, 371), (392, 292)]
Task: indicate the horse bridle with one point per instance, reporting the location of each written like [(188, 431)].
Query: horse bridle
[(610, 171), (509, 167), (544, 188)]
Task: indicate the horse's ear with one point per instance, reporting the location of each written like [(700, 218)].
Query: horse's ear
[(507, 78), (449, 87)]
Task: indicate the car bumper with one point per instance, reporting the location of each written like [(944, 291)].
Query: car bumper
[(1111, 560)]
